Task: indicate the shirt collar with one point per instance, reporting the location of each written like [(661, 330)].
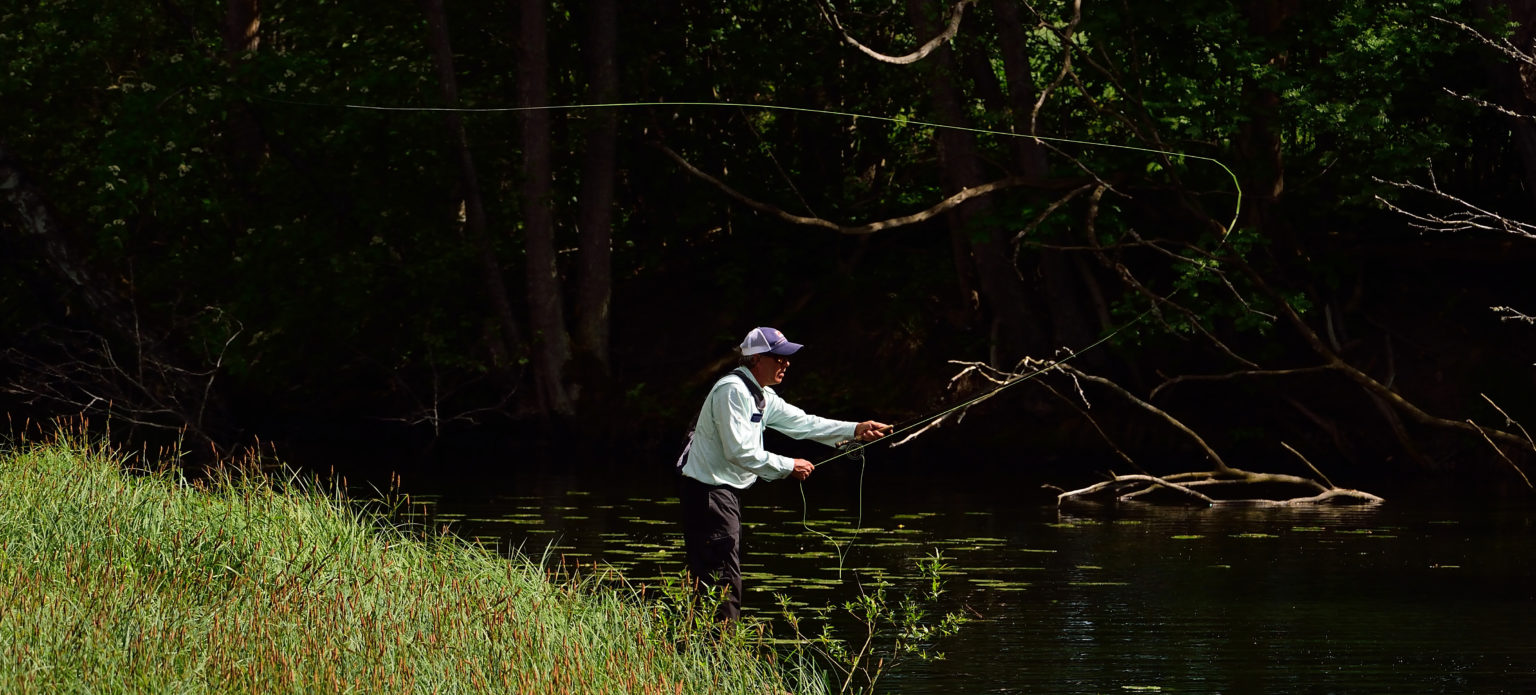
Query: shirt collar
[(751, 376)]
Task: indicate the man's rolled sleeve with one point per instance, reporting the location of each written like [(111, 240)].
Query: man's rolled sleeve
[(799, 424)]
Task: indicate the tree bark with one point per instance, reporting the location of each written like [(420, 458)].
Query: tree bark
[(1071, 319), (1258, 142), (977, 243), (1019, 83), (474, 207), (1515, 83), (241, 33), (242, 24), (551, 345), (594, 272)]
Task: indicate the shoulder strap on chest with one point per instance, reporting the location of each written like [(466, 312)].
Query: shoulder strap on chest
[(757, 392), (757, 396)]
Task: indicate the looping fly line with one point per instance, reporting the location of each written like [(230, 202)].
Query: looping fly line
[(1237, 187), (1232, 224), (854, 450)]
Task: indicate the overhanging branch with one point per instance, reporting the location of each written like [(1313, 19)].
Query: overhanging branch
[(922, 52), (940, 208)]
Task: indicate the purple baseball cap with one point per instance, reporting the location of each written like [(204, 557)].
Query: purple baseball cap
[(769, 340)]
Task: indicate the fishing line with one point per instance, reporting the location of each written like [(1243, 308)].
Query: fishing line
[(855, 449), (902, 121)]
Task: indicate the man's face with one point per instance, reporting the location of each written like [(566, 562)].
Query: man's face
[(770, 369)]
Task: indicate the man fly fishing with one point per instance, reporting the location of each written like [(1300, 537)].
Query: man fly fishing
[(725, 455)]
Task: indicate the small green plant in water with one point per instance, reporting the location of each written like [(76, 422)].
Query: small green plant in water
[(886, 631), (883, 632)]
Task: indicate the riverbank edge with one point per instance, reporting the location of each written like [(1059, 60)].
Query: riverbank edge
[(116, 576)]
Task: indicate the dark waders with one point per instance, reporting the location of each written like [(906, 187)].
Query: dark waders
[(712, 535), (712, 526)]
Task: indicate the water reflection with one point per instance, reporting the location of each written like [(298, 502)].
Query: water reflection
[(1246, 600)]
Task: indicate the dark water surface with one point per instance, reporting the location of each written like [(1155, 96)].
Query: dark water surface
[(1400, 598)]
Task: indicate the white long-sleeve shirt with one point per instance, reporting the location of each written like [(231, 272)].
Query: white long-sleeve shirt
[(727, 446)]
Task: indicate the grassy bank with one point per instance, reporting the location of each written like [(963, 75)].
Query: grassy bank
[(114, 582)]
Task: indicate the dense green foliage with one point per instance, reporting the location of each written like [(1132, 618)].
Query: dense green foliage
[(313, 253)]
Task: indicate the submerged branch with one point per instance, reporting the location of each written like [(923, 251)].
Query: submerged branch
[(1138, 482), (1187, 487)]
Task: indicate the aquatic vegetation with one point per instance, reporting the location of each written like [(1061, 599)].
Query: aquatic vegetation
[(890, 630)]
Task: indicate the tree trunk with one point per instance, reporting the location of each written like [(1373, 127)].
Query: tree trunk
[(241, 33), (242, 24), (551, 343), (474, 207), (1258, 142), (978, 242), (594, 288), (1019, 81), (1071, 319), (1515, 83)]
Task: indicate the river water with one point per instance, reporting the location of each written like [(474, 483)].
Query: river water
[(1396, 598)]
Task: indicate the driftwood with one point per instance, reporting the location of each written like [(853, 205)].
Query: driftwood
[(1231, 488), (1223, 485), (1220, 488)]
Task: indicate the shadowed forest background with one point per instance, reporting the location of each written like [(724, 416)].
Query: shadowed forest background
[(313, 224)]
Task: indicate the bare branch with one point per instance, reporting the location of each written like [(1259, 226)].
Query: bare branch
[(1180, 426), (1387, 396), (1490, 105), (1357, 496), (1501, 45), (1157, 303), (1171, 381), (1319, 473), (1141, 483), (1102, 434), (1509, 420), (1040, 218), (868, 228), (1483, 431), (910, 58), (970, 367), (1509, 314), (1467, 217), (1066, 63), (431, 410), (1131, 488)]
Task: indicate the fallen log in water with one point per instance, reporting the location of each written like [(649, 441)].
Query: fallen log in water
[(1227, 487)]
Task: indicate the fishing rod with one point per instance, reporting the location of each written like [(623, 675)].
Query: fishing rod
[(854, 449)]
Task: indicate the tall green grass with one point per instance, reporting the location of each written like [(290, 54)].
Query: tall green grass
[(114, 581)]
